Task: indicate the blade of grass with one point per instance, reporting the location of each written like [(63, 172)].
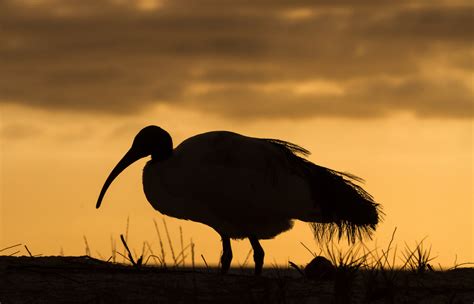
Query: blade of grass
[(130, 256), (9, 247), (192, 254), (29, 252), (88, 250), (126, 235), (161, 244), (205, 262), (182, 248), (170, 243)]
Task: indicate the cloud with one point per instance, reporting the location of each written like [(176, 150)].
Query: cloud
[(18, 131), (239, 59)]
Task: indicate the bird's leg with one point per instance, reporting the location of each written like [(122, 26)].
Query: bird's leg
[(226, 255), (258, 255)]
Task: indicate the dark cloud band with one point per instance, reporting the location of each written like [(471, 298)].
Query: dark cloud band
[(240, 59)]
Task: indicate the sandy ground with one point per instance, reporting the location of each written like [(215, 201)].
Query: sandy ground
[(87, 280)]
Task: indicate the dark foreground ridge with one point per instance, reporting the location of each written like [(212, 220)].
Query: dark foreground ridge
[(88, 280)]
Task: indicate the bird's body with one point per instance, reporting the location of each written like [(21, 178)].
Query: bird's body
[(245, 187), (238, 185)]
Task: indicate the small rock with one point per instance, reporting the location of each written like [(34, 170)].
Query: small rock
[(320, 268)]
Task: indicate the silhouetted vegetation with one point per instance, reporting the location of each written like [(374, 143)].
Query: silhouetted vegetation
[(358, 275)]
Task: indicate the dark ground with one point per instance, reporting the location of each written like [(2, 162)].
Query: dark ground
[(87, 280)]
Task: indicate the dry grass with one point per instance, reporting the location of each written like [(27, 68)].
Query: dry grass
[(362, 275)]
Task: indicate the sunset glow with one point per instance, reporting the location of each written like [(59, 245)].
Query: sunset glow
[(380, 89)]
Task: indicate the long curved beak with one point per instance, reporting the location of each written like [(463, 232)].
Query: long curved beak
[(129, 158)]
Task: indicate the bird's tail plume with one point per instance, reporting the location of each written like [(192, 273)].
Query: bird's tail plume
[(347, 209)]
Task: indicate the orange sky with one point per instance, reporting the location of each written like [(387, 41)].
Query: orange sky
[(380, 90)]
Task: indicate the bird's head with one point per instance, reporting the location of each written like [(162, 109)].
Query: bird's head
[(151, 140)]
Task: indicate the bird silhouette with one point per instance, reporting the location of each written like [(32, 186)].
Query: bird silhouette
[(245, 187)]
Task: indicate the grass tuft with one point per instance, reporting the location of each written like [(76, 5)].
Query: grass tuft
[(417, 259), (347, 263)]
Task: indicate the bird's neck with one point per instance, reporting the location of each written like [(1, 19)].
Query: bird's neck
[(161, 155)]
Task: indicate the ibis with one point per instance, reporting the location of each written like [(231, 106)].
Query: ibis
[(247, 187)]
